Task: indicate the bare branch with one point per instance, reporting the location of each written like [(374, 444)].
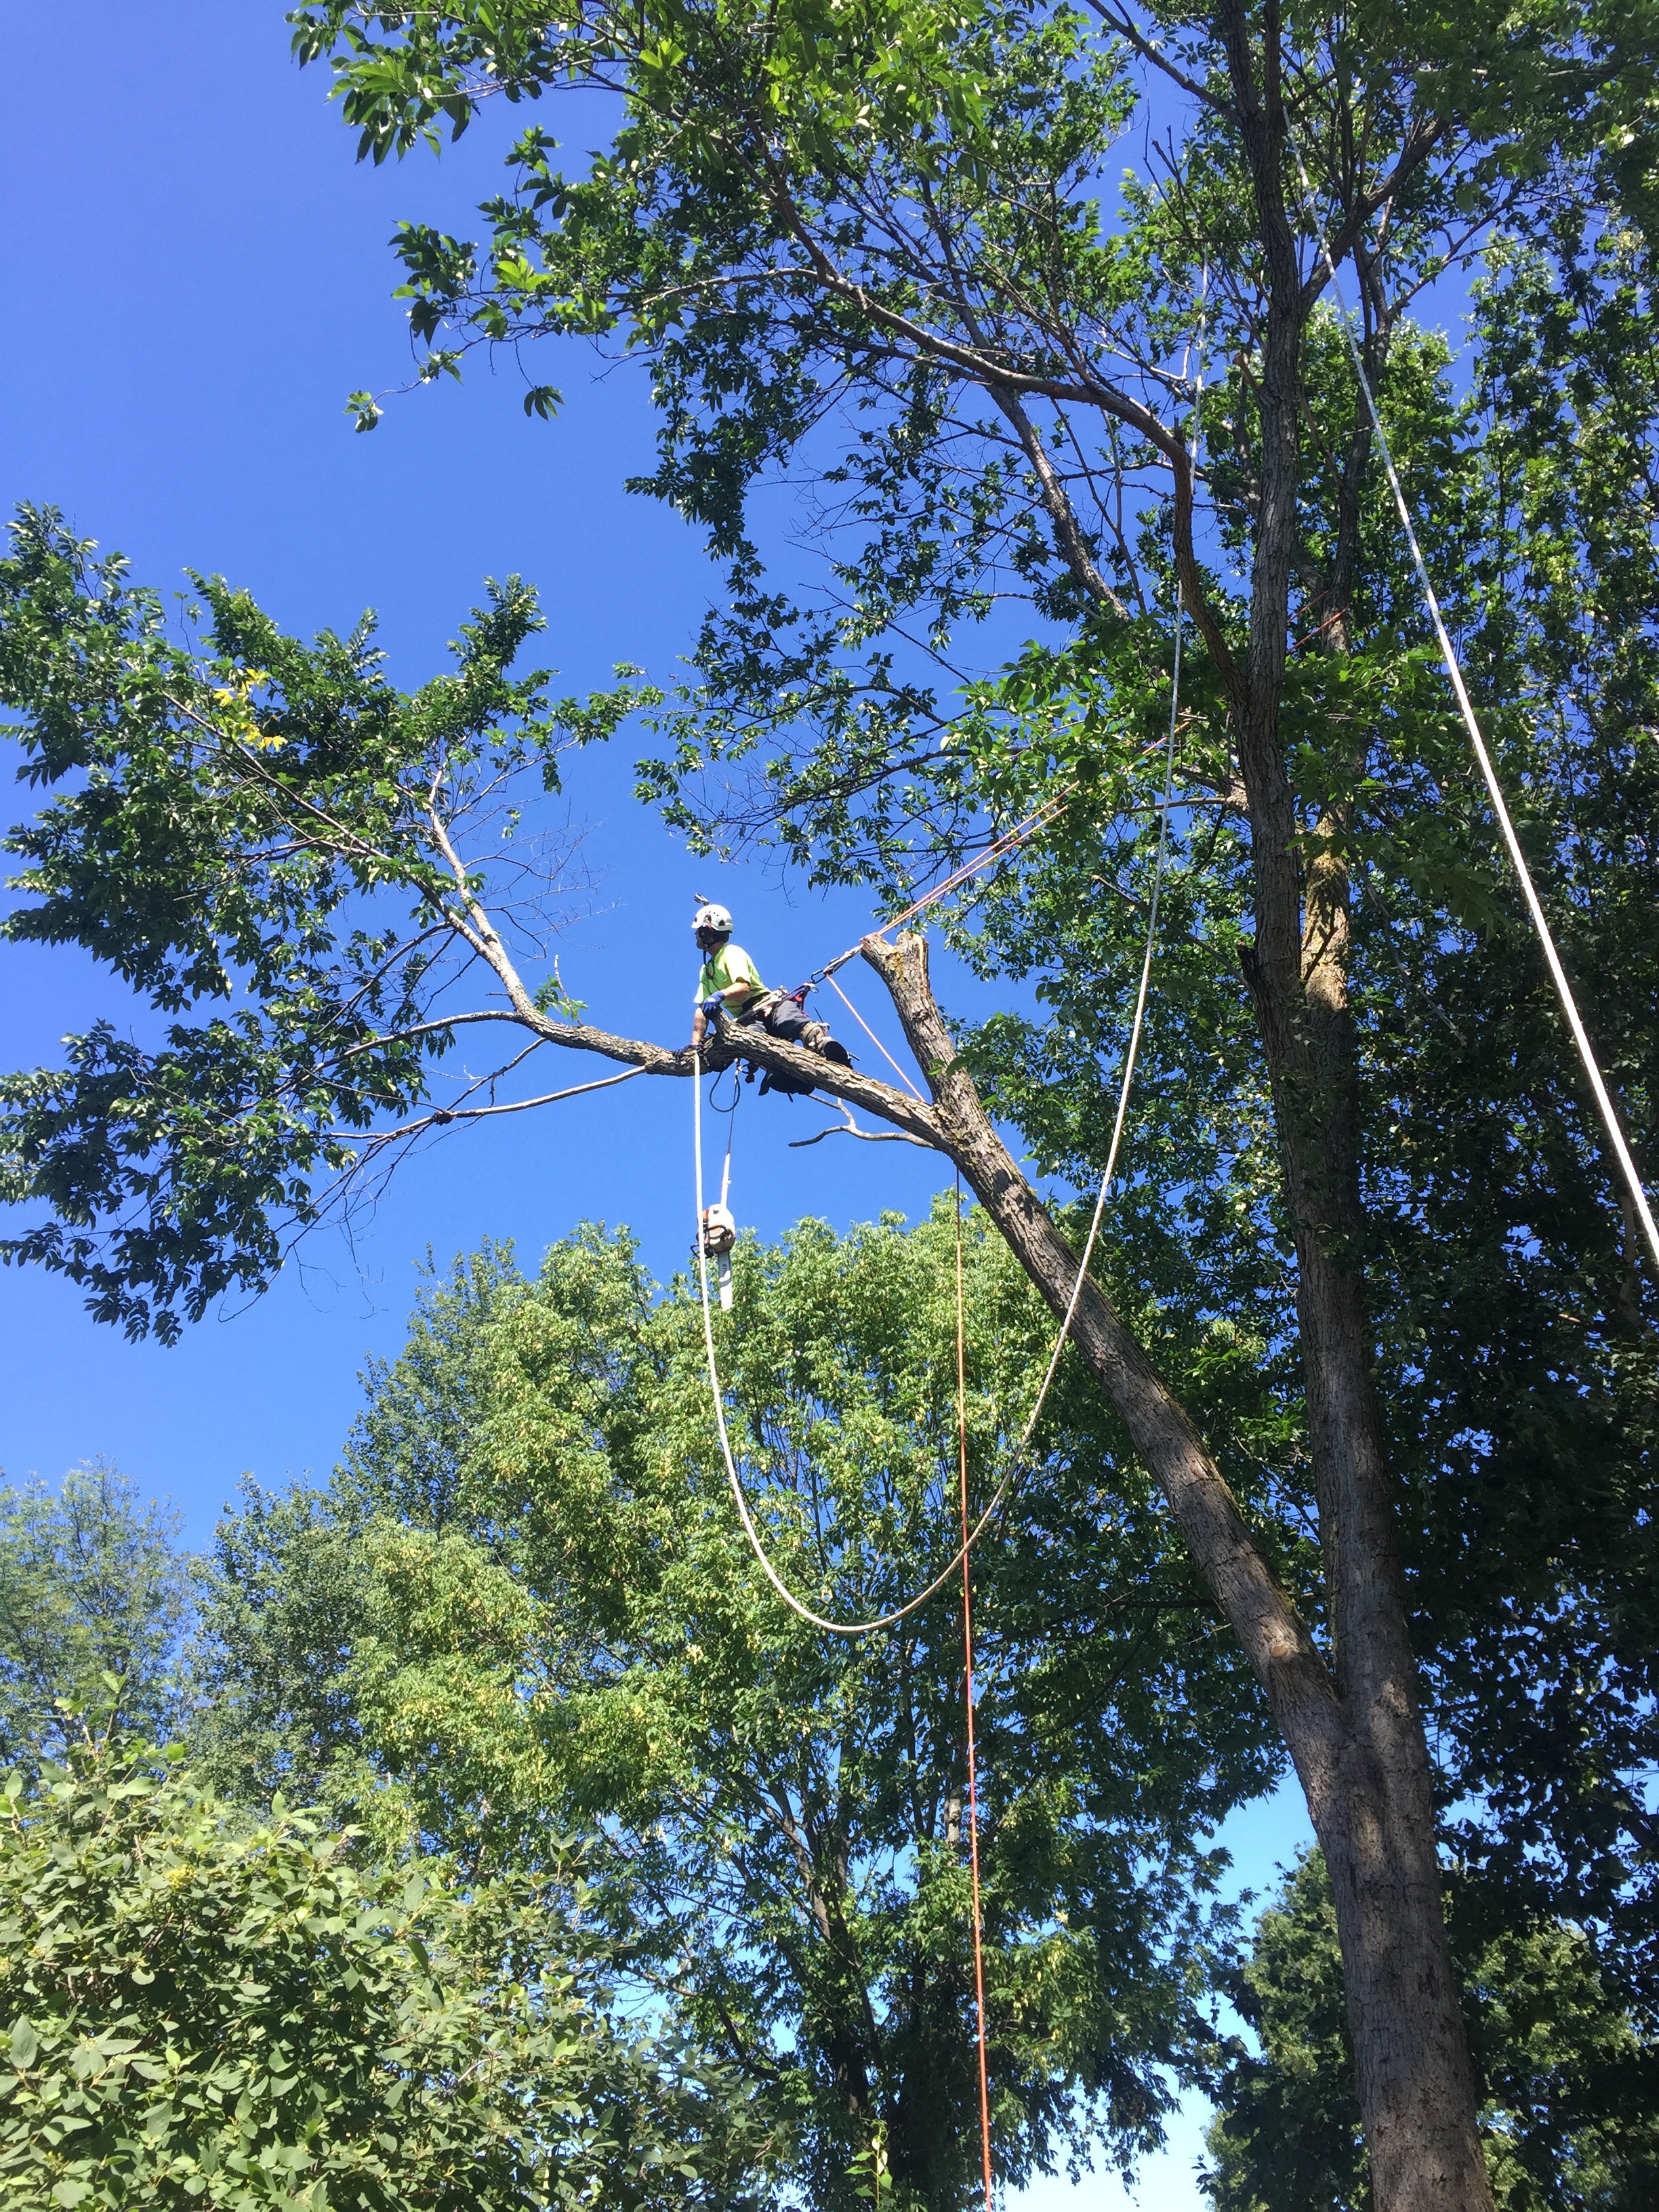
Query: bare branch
[(1062, 516), (846, 1127), (428, 1029), (1159, 60), (441, 1115)]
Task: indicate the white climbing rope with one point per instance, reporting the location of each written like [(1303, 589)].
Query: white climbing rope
[(1494, 789), (739, 1495)]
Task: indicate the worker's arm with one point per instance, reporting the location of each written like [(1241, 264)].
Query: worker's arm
[(733, 996)]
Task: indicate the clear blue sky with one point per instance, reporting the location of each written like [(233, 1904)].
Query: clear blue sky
[(196, 273)]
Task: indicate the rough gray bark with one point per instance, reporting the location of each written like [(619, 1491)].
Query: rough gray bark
[(1412, 2074)]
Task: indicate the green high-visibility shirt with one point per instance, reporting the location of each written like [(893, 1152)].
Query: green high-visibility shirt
[(731, 964)]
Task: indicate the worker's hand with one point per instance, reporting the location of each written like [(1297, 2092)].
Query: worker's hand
[(713, 1007)]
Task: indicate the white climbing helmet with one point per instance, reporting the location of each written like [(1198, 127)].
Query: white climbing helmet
[(712, 917)]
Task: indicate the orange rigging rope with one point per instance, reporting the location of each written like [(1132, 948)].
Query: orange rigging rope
[(873, 1038), (968, 1683)]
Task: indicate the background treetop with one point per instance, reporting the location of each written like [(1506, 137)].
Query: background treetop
[(523, 1608), (210, 2009)]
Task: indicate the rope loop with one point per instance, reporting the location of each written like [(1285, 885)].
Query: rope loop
[(1050, 811)]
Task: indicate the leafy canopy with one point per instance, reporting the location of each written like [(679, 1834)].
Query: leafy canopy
[(204, 2010), (94, 1604), (262, 840), (525, 1606), (979, 345)]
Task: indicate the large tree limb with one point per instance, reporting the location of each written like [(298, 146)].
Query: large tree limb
[(735, 1042)]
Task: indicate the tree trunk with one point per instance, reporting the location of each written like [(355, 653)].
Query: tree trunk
[(1357, 1743), (1415, 2084)]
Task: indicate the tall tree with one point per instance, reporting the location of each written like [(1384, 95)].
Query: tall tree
[(553, 1624), (286, 1588), (901, 207), (898, 205), (95, 1600)]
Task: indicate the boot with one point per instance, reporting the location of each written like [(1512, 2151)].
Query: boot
[(816, 1036)]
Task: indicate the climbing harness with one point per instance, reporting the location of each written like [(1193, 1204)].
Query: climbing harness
[(1494, 789)]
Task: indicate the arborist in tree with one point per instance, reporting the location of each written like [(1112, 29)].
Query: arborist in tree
[(730, 984)]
